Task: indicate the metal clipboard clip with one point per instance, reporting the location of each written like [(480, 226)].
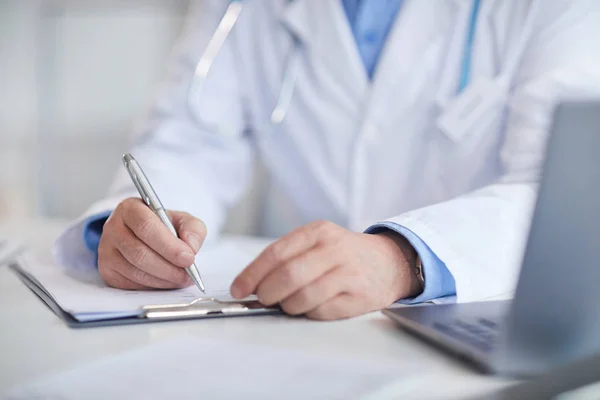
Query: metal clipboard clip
[(206, 307)]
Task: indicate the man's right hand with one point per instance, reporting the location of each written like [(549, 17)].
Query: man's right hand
[(137, 251)]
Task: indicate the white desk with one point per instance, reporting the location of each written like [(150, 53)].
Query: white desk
[(34, 342)]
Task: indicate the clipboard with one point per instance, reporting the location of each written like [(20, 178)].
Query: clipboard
[(201, 308)]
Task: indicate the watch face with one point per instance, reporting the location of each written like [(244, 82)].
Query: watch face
[(419, 272)]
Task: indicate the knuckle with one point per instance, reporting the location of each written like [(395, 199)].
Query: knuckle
[(304, 235), (145, 228), (322, 225), (139, 254), (139, 276), (128, 204), (275, 252), (189, 222), (126, 207), (324, 229), (290, 275), (124, 243), (169, 251)]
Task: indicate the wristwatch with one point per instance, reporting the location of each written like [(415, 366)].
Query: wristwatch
[(419, 272)]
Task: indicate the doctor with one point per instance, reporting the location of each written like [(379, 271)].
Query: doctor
[(402, 140)]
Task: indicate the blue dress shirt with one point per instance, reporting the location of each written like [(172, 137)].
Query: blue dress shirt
[(92, 231), (370, 21)]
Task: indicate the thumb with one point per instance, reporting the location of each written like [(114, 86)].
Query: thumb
[(189, 228)]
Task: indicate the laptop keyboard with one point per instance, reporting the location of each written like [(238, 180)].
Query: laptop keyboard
[(479, 333)]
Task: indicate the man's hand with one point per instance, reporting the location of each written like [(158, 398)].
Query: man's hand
[(327, 272), (138, 252)]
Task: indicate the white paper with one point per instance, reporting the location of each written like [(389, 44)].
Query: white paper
[(83, 294), (192, 368)]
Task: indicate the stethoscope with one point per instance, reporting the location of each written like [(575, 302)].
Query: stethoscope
[(288, 80), (470, 102)]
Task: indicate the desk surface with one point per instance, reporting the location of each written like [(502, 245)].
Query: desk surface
[(35, 343)]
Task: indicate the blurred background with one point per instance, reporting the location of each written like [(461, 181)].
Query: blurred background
[(75, 75)]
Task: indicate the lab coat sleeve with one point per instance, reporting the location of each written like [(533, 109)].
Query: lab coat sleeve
[(198, 167), (480, 236)]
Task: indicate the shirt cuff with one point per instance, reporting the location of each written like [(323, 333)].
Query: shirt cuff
[(439, 282), (92, 231)]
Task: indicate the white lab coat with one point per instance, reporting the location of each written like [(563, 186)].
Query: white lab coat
[(358, 152)]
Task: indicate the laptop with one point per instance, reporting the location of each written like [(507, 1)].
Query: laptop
[(554, 316)]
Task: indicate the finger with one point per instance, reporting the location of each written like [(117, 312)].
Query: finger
[(190, 229), (114, 279), (143, 257), (129, 271), (315, 294), (295, 274), (341, 306), (289, 246), (150, 230)]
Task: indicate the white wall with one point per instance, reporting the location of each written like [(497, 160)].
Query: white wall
[(73, 77), (18, 104)]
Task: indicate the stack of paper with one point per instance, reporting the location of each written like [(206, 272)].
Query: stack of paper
[(191, 368), (85, 297)]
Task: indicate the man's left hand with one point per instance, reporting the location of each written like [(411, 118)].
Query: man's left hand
[(328, 272)]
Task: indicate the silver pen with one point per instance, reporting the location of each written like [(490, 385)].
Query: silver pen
[(149, 197)]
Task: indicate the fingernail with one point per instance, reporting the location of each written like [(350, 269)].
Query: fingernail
[(236, 291), (187, 258), (194, 241)]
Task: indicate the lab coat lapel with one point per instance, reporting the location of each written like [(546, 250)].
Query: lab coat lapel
[(323, 29), (419, 25)]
